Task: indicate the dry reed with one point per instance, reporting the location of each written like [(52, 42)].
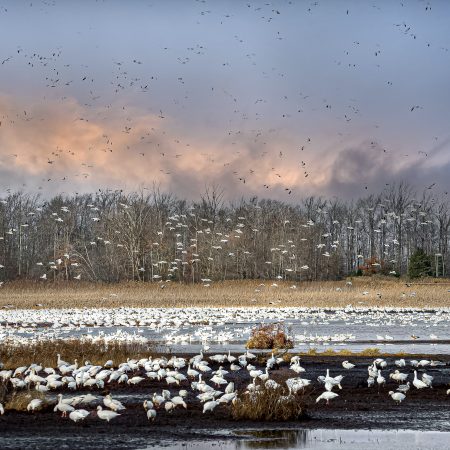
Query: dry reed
[(19, 400), (269, 404), (98, 352), (270, 336), (370, 351), (382, 292)]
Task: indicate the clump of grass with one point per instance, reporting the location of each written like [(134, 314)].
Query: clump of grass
[(270, 336), (97, 352), (269, 405), (371, 351), (312, 352), (19, 400)]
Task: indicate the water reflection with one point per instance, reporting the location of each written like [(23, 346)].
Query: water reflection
[(279, 439), (321, 439)]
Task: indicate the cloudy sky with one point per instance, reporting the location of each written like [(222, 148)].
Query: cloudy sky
[(278, 99)]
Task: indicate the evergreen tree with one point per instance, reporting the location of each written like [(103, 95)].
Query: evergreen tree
[(420, 264)]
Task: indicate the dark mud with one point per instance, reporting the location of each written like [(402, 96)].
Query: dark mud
[(357, 407)]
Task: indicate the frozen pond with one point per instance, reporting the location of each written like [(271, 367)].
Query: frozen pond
[(189, 329)]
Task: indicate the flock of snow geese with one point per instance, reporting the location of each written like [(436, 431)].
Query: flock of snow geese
[(222, 326), (188, 377)]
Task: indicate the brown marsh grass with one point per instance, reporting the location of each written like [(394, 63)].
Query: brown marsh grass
[(369, 352), (18, 400), (98, 352), (268, 405), (270, 336), (382, 292)]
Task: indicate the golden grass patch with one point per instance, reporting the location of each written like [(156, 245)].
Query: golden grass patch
[(371, 351), (380, 292), (268, 404), (19, 400), (270, 336), (98, 352)]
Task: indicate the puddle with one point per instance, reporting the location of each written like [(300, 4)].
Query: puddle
[(322, 439), (314, 439)]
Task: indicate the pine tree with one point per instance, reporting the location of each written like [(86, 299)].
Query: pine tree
[(420, 264)]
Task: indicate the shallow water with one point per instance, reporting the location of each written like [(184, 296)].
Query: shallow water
[(185, 331), (321, 439)]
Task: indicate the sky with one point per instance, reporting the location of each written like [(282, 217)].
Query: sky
[(281, 99)]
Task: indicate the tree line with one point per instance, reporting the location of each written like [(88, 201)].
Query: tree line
[(152, 236)]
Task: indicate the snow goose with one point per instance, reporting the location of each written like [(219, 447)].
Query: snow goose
[(110, 403), (399, 376), (418, 384), (404, 387), (151, 414), (135, 380), (61, 362), (229, 388), (34, 405), (209, 406), (397, 396), (326, 396), (106, 415), (64, 408), (347, 365), (427, 379), (178, 401), (191, 373), (230, 357), (78, 414), (226, 398), (380, 379)]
